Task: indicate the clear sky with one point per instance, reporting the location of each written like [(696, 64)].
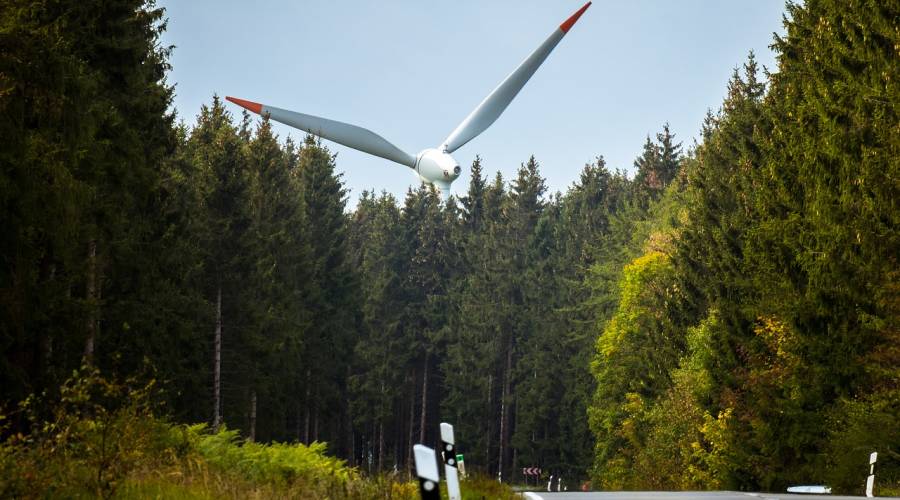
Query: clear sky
[(412, 70)]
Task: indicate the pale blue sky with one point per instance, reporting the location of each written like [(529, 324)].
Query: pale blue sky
[(412, 70)]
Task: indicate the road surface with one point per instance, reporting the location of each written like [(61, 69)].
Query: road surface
[(679, 495)]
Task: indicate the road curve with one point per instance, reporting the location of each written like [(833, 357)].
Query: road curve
[(676, 495)]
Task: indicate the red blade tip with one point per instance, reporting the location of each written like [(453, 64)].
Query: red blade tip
[(566, 26), (252, 106)]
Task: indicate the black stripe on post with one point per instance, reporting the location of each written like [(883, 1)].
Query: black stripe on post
[(449, 453), (429, 489)]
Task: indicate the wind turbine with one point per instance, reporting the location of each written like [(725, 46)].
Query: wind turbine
[(432, 165)]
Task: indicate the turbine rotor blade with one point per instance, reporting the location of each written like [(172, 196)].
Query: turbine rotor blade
[(496, 102), (351, 136)]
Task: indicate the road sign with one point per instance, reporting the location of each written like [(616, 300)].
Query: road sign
[(870, 481), (448, 452), (427, 470), (531, 471)]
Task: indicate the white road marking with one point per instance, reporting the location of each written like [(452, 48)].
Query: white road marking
[(533, 496)]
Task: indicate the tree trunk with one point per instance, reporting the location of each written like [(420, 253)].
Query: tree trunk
[(397, 454), (253, 415), (91, 297), (352, 449), (380, 445), (23, 351), (370, 448), (424, 402), (306, 416), (45, 341), (346, 430), (412, 418), (515, 423), (297, 426), (504, 412), (316, 416), (381, 419), (490, 430), (217, 364)]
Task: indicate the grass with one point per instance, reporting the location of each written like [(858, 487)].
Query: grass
[(102, 439)]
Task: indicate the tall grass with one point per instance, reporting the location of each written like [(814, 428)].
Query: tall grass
[(103, 439)]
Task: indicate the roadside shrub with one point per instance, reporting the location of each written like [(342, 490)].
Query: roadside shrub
[(859, 427), (101, 438), (97, 433), (277, 463)]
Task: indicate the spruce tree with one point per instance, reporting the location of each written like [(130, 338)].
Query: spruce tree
[(332, 301), (86, 128), (220, 157)]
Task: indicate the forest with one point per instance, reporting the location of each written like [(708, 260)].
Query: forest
[(722, 315)]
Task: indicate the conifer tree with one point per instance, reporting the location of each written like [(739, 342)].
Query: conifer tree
[(469, 367), (222, 170), (376, 383), (86, 127), (828, 193), (281, 256), (333, 300)]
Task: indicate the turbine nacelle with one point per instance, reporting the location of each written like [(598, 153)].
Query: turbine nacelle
[(434, 166), (437, 167)]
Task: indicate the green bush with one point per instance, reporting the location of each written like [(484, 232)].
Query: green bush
[(279, 465), (859, 427), (102, 439), (94, 436), (482, 487)]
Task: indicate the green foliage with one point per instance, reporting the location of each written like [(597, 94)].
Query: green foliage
[(857, 428), (685, 445), (785, 259), (267, 464), (726, 318), (103, 440), (96, 434), (85, 125), (479, 487), (636, 353)]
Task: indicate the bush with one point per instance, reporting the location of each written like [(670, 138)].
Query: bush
[(96, 434), (102, 439), (859, 427), (481, 487)]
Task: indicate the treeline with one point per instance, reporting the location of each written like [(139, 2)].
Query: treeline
[(135, 244), (225, 263), (725, 318), (756, 342), (471, 314)]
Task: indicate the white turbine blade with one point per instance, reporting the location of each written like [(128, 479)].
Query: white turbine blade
[(342, 133), (494, 104)]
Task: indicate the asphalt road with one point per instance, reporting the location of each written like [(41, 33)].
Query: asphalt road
[(673, 495)]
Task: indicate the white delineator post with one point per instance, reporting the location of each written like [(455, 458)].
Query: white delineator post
[(870, 482), (448, 452), (427, 470)]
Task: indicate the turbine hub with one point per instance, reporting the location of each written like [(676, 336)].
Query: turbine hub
[(437, 167)]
